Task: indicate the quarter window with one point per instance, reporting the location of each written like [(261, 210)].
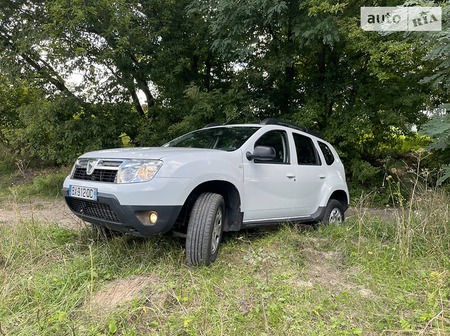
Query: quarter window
[(327, 153), (306, 151)]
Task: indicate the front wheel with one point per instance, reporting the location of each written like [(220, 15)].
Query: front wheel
[(205, 227), (334, 213)]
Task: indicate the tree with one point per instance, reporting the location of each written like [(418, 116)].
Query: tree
[(23, 47), (124, 49), (438, 129), (311, 63), (176, 65), (438, 126)]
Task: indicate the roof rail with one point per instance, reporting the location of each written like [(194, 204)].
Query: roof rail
[(212, 125), (273, 121)]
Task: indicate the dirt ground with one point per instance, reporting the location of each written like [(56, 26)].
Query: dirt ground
[(54, 211)]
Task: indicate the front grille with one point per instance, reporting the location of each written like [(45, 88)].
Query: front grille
[(102, 175), (92, 209), (100, 170)]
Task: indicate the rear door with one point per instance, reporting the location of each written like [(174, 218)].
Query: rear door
[(311, 175)]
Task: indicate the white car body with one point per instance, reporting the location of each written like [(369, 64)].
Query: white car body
[(255, 192)]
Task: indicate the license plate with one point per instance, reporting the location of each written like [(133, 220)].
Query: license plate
[(83, 192)]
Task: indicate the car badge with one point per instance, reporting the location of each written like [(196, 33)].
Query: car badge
[(90, 166)]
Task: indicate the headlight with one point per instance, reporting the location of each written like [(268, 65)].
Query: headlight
[(134, 171)]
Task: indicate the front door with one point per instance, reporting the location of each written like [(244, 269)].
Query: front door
[(269, 186)]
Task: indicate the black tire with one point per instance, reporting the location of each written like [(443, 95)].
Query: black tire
[(334, 213), (205, 228)]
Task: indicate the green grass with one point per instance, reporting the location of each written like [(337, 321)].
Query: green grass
[(369, 276), (20, 185), (346, 280)]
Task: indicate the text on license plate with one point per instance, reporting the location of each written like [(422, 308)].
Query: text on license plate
[(83, 192)]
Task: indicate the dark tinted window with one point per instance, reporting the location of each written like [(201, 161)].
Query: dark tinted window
[(327, 153), (306, 151), (223, 138), (277, 140)]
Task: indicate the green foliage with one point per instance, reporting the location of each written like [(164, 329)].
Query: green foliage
[(25, 182), (15, 93), (445, 176), (310, 63), (58, 131), (7, 160), (48, 185), (438, 128), (439, 52), (155, 69), (363, 171)]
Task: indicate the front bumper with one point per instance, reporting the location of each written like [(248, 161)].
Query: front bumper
[(108, 212)]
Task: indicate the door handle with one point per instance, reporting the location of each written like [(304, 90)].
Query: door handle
[(322, 177), (290, 176)]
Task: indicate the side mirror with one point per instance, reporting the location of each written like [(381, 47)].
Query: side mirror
[(263, 153)]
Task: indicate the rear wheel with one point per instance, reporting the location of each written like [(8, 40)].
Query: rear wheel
[(334, 213), (205, 227)]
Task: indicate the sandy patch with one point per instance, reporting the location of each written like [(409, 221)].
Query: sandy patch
[(54, 211), (121, 291)]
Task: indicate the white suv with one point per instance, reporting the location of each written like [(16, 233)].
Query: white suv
[(218, 178)]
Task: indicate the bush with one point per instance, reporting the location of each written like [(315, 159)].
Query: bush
[(438, 128), (47, 183), (56, 132), (7, 160), (422, 216)]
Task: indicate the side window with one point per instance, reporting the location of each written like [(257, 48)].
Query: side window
[(277, 140), (327, 153), (306, 151)]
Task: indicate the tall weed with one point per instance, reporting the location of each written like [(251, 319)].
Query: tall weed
[(417, 221), (45, 183), (422, 219)]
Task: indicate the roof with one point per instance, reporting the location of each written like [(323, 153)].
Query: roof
[(273, 121)]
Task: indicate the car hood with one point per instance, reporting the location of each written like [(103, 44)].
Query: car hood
[(137, 153)]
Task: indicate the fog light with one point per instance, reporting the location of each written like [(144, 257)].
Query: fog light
[(147, 217), (153, 217)]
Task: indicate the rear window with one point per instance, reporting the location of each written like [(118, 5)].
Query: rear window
[(306, 151)]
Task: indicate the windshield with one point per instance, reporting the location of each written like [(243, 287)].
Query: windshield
[(223, 138)]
